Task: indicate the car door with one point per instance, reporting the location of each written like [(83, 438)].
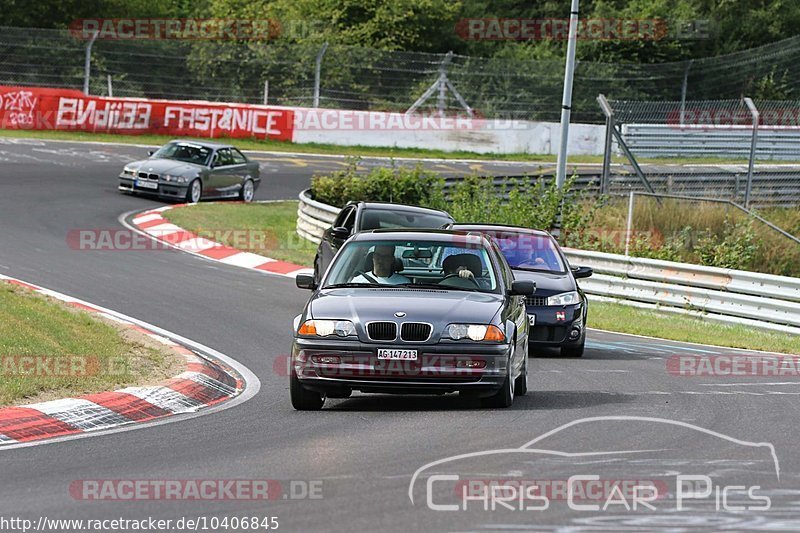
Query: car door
[(331, 240), (224, 179), (241, 170)]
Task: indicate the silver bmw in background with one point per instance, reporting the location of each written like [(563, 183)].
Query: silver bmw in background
[(190, 171)]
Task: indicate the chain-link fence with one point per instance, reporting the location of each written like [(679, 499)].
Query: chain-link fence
[(732, 138), (360, 78)]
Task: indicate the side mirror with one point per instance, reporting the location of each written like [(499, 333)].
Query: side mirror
[(340, 233), (582, 272), (522, 288), (305, 281), (151, 152)]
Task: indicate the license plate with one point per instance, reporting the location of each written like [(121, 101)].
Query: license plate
[(532, 320), (391, 353), (147, 184)]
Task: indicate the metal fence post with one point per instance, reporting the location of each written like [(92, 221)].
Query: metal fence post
[(87, 64), (754, 112), (110, 88), (630, 224), (683, 89), (266, 91), (317, 69), (609, 113)]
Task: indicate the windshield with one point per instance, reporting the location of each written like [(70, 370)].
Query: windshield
[(457, 264), (186, 152), (528, 251), (384, 218)]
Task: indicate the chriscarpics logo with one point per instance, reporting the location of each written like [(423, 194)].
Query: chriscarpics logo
[(662, 472)]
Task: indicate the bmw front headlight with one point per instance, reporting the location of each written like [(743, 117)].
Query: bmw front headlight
[(325, 328), (129, 171), (475, 332), (565, 298), (169, 178)]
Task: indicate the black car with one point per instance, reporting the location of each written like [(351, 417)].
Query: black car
[(363, 216), (396, 313), (557, 312), (192, 170)]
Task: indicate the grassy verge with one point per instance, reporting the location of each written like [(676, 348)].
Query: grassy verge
[(627, 319), (277, 221), (332, 149), (267, 229), (49, 351)]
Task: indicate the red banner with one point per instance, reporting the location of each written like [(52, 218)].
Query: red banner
[(37, 108)]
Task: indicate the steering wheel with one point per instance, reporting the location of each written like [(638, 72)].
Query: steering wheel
[(473, 280)]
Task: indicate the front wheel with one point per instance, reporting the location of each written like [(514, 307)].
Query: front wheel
[(247, 192), (505, 396), (302, 398), (194, 192), (521, 385)]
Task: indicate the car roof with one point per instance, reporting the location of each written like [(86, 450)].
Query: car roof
[(411, 234), (498, 227), (388, 206), (206, 144)]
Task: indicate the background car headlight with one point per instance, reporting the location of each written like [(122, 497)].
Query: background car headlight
[(174, 179), (565, 298), (475, 332), (324, 328)]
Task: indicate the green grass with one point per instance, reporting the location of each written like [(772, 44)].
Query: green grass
[(277, 221), (332, 149), (94, 355), (627, 319), (269, 228)]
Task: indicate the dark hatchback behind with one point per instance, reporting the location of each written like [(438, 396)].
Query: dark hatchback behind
[(557, 312)]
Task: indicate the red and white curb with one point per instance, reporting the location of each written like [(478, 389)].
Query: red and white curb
[(202, 384), (156, 226)]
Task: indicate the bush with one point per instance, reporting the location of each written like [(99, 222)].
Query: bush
[(735, 248), (402, 185)]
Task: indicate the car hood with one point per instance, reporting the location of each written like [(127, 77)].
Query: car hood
[(547, 283), (436, 307), (166, 166)]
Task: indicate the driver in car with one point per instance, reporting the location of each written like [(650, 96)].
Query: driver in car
[(383, 268)]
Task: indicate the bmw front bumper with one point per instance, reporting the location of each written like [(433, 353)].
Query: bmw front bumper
[(439, 368)]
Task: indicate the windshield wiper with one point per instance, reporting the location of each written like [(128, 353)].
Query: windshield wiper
[(350, 285), (436, 286)]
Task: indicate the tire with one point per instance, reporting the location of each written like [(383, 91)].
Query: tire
[(194, 192), (302, 398), (317, 273), (505, 396), (247, 192), (573, 350)]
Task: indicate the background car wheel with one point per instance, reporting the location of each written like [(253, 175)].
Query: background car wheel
[(247, 192), (302, 398), (573, 350), (317, 273), (505, 396), (194, 192), (521, 385)]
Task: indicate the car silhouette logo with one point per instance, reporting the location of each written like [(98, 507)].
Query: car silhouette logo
[(399, 314)]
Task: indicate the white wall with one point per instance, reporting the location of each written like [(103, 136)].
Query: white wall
[(366, 128)]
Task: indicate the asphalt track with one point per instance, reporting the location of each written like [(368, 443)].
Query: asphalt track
[(366, 449)]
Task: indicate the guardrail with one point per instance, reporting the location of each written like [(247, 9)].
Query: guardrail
[(662, 140), (726, 295)]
